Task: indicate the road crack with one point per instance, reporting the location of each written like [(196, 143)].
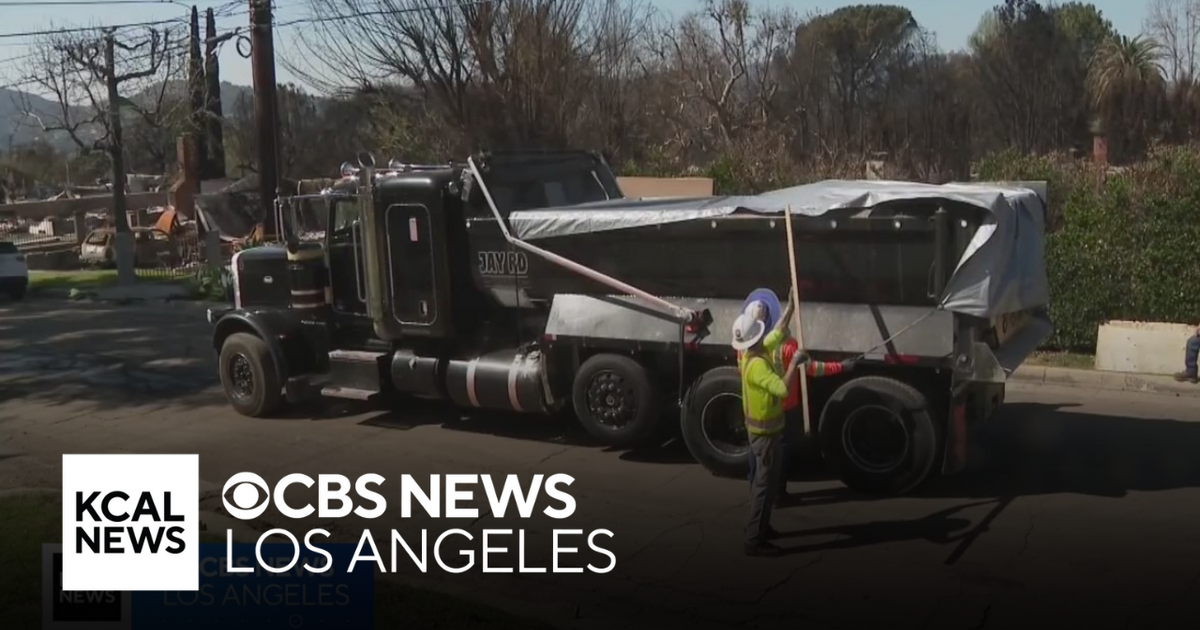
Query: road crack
[(482, 515), (695, 550), (987, 613), (1025, 540), (551, 456), (790, 576)]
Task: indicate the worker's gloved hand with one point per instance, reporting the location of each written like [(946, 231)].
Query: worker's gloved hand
[(849, 364), (800, 358)]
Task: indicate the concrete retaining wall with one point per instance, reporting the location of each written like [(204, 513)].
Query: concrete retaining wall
[(1142, 347)]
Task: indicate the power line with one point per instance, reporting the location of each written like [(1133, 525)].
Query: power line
[(171, 50), (88, 29), (82, 3), (360, 14), (222, 11)]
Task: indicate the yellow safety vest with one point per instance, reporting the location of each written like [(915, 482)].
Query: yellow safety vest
[(762, 406)]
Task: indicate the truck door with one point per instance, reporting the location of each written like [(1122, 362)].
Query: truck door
[(412, 264), (346, 277)]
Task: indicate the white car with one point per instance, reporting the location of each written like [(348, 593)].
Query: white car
[(14, 273)]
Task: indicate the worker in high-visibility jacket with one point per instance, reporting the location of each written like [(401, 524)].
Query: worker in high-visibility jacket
[(763, 391), (783, 349)]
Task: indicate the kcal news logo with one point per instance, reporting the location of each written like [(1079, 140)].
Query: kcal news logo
[(131, 522)]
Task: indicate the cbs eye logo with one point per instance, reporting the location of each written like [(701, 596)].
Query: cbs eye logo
[(246, 496)]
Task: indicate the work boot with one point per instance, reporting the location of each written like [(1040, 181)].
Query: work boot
[(762, 549), (1184, 377)]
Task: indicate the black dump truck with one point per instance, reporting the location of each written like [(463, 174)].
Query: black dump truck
[(526, 281)]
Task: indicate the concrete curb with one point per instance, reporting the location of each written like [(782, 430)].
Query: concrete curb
[(1110, 381), (95, 297)]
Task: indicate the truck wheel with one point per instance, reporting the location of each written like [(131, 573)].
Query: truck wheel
[(249, 376), (615, 401), (878, 435), (713, 425)]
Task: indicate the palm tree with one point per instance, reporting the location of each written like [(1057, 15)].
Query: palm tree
[(1125, 86)]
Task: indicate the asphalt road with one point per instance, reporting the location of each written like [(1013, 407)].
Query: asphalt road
[(1081, 507)]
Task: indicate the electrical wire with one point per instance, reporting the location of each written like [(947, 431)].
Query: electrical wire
[(360, 14), (89, 29), (83, 3)]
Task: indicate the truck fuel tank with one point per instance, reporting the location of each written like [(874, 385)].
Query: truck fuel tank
[(507, 380)]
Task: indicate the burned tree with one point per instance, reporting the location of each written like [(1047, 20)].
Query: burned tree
[(85, 77)]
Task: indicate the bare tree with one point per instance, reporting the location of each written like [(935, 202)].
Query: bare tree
[(505, 72), (85, 76), (720, 62), (69, 69), (315, 134), (1175, 25)]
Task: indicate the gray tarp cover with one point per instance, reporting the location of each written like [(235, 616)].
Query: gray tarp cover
[(1002, 270)]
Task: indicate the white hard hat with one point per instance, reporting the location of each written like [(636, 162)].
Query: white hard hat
[(747, 331), (757, 309)]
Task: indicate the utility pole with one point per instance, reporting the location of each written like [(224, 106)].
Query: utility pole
[(124, 240), (266, 119)]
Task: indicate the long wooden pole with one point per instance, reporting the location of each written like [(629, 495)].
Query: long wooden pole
[(797, 329)]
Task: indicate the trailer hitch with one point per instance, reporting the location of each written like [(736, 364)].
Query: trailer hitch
[(698, 327)]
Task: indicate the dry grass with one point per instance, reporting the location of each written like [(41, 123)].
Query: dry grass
[(1063, 360)]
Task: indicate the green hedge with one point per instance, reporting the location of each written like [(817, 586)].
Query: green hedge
[(1120, 245)]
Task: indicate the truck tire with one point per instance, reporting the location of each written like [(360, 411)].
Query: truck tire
[(878, 435), (713, 425), (615, 401), (248, 375)]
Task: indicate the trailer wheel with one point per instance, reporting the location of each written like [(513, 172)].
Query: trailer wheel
[(713, 424), (878, 435), (248, 375), (615, 401)]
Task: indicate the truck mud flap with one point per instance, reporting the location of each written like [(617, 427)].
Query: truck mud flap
[(954, 459)]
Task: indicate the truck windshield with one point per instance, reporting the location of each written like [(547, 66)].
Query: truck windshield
[(525, 183), (345, 215)]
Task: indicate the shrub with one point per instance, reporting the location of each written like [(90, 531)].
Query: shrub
[(1120, 245), (212, 284)]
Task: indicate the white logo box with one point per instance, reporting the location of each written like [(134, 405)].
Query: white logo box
[(86, 570)]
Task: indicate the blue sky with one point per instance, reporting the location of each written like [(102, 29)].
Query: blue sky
[(951, 20)]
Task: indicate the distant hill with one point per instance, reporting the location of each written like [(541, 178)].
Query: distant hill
[(16, 128)]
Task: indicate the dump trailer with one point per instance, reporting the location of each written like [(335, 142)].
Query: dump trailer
[(525, 281)]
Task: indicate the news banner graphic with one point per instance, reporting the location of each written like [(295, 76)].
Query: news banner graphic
[(247, 496), (131, 557)]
